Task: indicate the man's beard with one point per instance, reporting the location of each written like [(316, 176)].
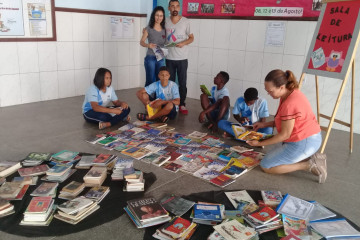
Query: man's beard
[(174, 13)]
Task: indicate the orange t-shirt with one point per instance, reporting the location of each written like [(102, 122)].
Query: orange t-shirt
[(296, 106)]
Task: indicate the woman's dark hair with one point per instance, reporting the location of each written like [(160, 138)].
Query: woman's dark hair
[(251, 94), (152, 17), (279, 78), (100, 76)]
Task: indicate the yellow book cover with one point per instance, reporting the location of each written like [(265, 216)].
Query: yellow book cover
[(250, 135), (238, 130), (232, 162), (152, 111)]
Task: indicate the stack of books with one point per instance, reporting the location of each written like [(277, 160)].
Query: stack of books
[(178, 228), (45, 189), (146, 212), (76, 210), (26, 180), (10, 190), (86, 161), (135, 181), (264, 219), (35, 158), (235, 230), (6, 208), (8, 168), (208, 213), (39, 212), (104, 160), (97, 194), (59, 173), (120, 165), (271, 198), (33, 171), (65, 157), (95, 177), (72, 190)]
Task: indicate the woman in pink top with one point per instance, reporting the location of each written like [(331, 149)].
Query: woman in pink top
[(297, 130)]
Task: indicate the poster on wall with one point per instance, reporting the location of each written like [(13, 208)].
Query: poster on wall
[(122, 27), (275, 34), (334, 40), (11, 18), (37, 19), (253, 8)]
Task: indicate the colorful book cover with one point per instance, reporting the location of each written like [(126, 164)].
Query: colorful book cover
[(176, 205), (152, 111), (146, 209), (182, 141), (237, 196), (177, 226), (271, 197), (65, 155), (235, 230), (45, 189), (59, 168), (207, 212), (295, 226), (264, 215), (31, 171), (295, 207), (222, 180), (205, 89), (38, 156), (107, 140), (39, 204), (172, 167)]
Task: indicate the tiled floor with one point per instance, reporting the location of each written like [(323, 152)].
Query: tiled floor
[(56, 125)]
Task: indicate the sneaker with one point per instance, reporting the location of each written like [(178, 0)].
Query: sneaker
[(318, 166), (183, 110)]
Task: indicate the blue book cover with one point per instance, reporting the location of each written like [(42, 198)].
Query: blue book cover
[(207, 212)]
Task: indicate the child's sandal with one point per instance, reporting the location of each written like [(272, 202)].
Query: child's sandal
[(141, 116), (164, 119)]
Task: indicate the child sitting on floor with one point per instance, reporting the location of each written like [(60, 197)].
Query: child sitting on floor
[(247, 111), (166, 94), (216, 106)]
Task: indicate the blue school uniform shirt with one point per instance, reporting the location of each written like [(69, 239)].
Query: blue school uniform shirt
[(170, 92), (94, 94), (220, 94), (254, 112)]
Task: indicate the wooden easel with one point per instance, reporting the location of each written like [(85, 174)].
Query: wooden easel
[(332, 118)]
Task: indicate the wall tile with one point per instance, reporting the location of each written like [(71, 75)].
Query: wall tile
[(123, 53), (65, 55), (206, 39), (28, 57), (82, 81), (193, 87), (222, 34), (271, 61), (66, 83), (293, 63), (296, 37), (10, 90), (47, 56), (9, 61), (81, 55), (142, 76), (309, 37), (135, 53), (220, 61), (195, 29), (49, 85), (235, 90), (123, 77), (80, 26), (238, 34), (96, 54), (110, 54), (193, 59), (236, 65), (253, 66), (134, 76), (256, 36), (30, 87), (205, 61), (96, 27), (64, 26)]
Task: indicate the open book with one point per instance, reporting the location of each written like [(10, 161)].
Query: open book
[(206, 91), (152, 111), (160, 53)]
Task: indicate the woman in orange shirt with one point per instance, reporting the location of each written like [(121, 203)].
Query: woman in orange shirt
[(297, 130)]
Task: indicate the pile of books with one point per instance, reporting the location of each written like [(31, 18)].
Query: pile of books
[(35, 158), (178, 228), (65, 157), (39, 212), (10, 190), (234, 230), (6, 208), (45, 189), (33, 171), (135, 181), (208, 213), (76, 210), (120, 165), (71, 190), (95, 177), (59, 173), (146, 212), (199, 154), (97, 194), (8, 168)]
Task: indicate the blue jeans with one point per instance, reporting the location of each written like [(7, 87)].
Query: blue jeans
[(292, 152), (96, 117), (152, 67), (226, 126)]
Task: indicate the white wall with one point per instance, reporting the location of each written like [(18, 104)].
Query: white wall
[(131, 6), (238, 47), (40, 71)]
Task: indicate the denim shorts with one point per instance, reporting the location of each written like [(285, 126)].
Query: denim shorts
[(292, 152)]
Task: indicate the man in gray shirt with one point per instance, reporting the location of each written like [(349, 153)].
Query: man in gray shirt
[(178, 33)]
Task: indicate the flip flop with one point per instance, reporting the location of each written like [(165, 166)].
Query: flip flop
[(164, 119)]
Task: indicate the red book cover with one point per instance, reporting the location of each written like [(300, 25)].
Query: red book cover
[(177, 227), (264, 215), (102, 158), (39, 204), (221, 180)]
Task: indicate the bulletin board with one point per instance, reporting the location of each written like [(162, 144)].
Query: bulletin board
[(27, 20), (253, 9), (334, 40)]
